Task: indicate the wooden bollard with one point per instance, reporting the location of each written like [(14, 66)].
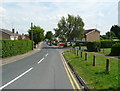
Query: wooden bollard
[(107, 65), (77, 52), (81, 54), (94, 60), (86, 57)]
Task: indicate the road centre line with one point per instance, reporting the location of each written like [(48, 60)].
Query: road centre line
[(46, 55), (41, 60), (16, 78)]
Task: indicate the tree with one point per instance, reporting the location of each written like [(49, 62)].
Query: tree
[(49, 35), (36, 34), (70, 28), (116, 30), (110, 35)]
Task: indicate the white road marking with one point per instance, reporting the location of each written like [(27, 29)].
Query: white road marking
[(46, 55), (16, 78), (41, 60)]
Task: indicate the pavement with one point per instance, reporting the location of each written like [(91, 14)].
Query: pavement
[(45, 69)]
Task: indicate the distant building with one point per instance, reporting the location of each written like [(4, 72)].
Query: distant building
[(91, 35), (25, 37), (7, 34), (11, 35)]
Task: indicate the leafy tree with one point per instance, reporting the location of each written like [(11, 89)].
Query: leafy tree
[(70, 28), (110, 35), (116, 30), (49, 35), (36, 34), (104, 36)]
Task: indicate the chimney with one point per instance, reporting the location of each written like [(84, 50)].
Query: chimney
[(17, 32), (13, 30)]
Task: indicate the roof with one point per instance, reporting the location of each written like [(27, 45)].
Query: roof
[(8, 32), (90, 30)]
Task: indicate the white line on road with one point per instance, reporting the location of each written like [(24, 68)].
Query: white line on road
[(16, 78), (41, 60), (46, 55)]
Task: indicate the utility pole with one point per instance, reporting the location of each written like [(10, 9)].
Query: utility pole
[(32, 33)]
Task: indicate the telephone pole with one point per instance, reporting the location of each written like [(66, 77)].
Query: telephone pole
[(32, 33)]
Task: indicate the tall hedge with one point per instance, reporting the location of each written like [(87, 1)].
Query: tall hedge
[(15, 47), (115, 50), (108, 43), (93, 46)]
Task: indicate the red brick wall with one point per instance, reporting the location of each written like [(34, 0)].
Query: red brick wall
[(93, 36), (4, 36)]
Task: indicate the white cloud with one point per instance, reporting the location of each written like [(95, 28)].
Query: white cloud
[(58, 0), (100, 14), (47, 14), (2, 12)]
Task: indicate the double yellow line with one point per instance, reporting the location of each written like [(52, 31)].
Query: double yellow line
[(72, 79)]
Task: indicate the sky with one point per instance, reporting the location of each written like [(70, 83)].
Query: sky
[(18, 14)]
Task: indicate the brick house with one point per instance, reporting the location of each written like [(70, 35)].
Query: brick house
[(91, 35), (7, 34), (25, 37), (4, 35)]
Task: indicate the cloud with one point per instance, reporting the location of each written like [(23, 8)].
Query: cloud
[(47, 14), (2, 12), (58, 0)]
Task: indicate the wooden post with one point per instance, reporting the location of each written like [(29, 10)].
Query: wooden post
[(86, 57), (107, 65), (77, 52), (81, 54), (94, 60), (74, 51)]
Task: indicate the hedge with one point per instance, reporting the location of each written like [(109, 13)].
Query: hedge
[(93, 46), (15, 47), (115, 50), (108, 43)]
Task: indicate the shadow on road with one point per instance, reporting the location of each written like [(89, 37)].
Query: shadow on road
[(51, 47)]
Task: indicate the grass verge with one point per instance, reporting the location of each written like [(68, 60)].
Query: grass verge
[(95, 77), (105, 51)]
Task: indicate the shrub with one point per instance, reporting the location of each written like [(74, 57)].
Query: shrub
[(108, 43), (15, 47), (115, 50), (93, 46)]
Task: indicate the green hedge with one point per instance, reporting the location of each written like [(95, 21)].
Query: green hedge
[(108, 43), (115, 50), (93, 46), (15, 47)]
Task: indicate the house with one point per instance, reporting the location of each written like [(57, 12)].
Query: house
[(91, 35), (4, 35), (25, 37), (7, 34)]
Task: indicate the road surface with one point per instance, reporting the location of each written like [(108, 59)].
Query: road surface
[(43, 70)]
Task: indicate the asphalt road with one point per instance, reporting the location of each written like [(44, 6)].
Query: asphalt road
[(42, 70)]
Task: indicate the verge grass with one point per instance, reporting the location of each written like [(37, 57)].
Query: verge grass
[(95, 76), (105, 51)]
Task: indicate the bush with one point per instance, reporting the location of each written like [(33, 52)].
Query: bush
[(15, 47), (115, 50), (93, 46), (108, 43)]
